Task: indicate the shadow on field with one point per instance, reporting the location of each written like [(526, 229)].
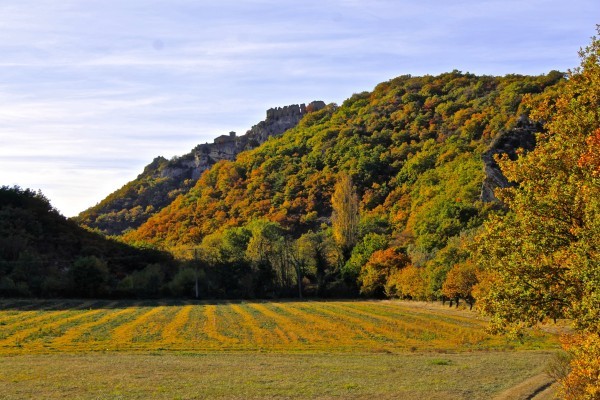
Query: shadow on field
[(96, 304)]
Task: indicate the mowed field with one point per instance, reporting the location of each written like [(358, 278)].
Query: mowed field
[(339, 326), (313, 349)]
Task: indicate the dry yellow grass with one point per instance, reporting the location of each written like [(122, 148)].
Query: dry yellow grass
[(337, 326), (172, 331)]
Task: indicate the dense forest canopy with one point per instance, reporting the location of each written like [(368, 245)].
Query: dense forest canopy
[(412, 149), (131, 205)]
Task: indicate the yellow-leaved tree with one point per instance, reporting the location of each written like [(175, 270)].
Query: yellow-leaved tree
[(345, 217), (541, 260)]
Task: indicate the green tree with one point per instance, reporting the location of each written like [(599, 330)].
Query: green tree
[(317, 252), (264, 250), (293, 251), (361, 254), (185, 282), (89, 276), (145, 282)]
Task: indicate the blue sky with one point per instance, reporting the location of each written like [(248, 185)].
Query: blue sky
[(91, 91)]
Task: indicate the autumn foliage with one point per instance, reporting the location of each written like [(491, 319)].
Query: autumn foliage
[(396, 167), (541, 260), (412, 148), (382, 264)]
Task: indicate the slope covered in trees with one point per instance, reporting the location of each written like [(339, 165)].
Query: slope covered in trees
[(413, 150), (412, 146), (163, 180), (129, 206), (44, 254)]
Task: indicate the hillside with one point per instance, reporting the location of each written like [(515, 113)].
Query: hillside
[(43, 253), (163, 180), (413, 147), (415, 162)]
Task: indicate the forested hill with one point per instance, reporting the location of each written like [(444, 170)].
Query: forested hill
[(43, 253), (163, 180), (413, 148)]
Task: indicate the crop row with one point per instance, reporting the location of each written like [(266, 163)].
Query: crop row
[(50, 326)]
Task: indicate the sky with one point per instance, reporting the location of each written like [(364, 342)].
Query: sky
[(92, 90)]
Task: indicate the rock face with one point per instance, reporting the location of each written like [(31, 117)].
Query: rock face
[(163, 180), (521, 137), (227, 147)]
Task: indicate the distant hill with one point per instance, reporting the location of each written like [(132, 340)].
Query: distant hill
[(414, 148), (163, 180), (43, 253)]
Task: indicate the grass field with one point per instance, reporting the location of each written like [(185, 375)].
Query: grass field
[(335, 349), (28, 327)]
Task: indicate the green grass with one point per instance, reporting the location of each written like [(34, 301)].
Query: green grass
[(167, 375)]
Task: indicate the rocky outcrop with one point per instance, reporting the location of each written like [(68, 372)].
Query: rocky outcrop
[(521, 137), (227, 147), (162, 180)]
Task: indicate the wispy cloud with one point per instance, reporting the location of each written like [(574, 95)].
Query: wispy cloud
[(92, 90)]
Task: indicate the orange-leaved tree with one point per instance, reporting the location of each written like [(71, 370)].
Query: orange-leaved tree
[(459, 283), (541, 260), (375, 273), (409, 282)]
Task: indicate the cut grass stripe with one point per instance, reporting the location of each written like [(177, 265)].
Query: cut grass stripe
[(418, 332), (194, 332), (415, 324), (74, 333), (101, 334), (172, 331), (28, 321), (284, 328), (46, 329), (257, 335), (212, 326), (400, 333), (471, 319), (317, 329), (453, 330), (297, 326), (125, 333)]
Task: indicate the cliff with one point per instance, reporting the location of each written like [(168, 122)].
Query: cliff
[(227, 147), (163, 180), (520, 137)]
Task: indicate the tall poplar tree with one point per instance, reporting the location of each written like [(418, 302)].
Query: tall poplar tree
[(345, 217)]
